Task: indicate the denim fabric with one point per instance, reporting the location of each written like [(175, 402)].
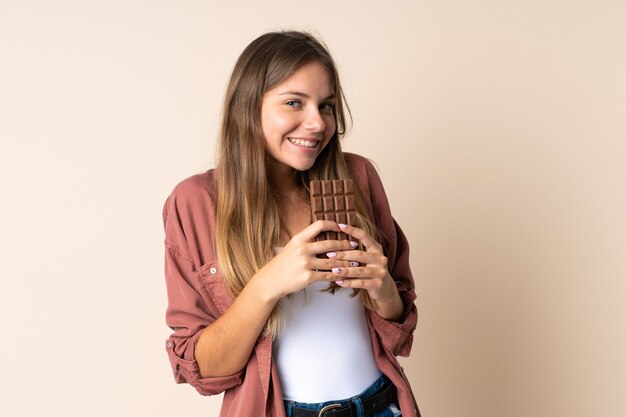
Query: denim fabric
[(392, 411)]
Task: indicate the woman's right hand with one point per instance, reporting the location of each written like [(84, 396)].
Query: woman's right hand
[(296, 266)]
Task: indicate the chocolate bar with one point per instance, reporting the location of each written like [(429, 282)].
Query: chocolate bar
[(333, 200)]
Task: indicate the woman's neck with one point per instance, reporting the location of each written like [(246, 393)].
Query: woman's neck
[(284, 178)]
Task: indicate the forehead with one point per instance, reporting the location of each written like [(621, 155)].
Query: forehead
[(312, 78)]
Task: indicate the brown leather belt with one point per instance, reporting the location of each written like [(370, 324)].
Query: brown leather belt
[(371, 405)]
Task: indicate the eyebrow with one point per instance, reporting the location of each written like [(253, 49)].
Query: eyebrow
[(304, 95)]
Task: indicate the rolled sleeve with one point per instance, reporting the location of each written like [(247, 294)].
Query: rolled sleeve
[(188, 371), (189, 312), (398, 336), (395, 336)]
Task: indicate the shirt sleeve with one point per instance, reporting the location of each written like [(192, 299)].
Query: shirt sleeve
[(190, 309), (395, 336)]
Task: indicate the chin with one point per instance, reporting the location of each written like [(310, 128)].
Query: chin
[(299, 163), (303, 165)]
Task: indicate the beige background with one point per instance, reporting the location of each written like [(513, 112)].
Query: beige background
[(499, 131)]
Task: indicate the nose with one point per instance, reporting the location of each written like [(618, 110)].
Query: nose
[(314, 121)]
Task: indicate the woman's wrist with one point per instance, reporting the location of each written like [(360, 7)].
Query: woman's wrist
[(389, 304), (263, 292)]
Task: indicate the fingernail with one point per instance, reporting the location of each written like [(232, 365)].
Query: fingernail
[(336, 270), (353, 263), (354, 244), (331, 254), (340, 282), (343, 226)]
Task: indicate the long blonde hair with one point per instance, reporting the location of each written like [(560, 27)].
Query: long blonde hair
[(249, 227)]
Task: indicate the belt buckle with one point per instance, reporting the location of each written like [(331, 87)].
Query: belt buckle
[(327, 408)]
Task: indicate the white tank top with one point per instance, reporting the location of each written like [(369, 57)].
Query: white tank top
[(325, 352)]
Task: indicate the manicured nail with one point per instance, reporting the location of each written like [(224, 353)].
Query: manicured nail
[(336, 270), (343, 226), (340, 282), (354, 244), (353, 263), (331, 254)]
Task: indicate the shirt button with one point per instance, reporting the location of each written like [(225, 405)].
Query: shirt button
[(213, 270), (169, 344)]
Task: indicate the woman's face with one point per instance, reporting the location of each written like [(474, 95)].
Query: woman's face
[(297, 117)]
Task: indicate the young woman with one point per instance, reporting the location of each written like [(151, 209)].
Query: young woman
[(282, 324)]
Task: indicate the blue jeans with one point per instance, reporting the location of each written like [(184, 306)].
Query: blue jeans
[(392, 411)]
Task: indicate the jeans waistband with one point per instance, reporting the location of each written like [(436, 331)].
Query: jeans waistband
[(357, 403)]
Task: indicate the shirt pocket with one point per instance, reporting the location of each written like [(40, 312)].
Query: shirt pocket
[(212, 282)]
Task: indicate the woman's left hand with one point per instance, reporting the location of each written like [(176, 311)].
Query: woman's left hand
[(368, 268)]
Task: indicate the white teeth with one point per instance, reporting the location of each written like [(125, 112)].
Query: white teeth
[(302, 142)]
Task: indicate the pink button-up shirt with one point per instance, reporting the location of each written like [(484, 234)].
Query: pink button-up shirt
[(197, 296)]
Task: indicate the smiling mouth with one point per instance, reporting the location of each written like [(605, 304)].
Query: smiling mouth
[(303, 142)]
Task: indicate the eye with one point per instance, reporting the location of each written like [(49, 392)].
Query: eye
[(293, 103), (327, 107)]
